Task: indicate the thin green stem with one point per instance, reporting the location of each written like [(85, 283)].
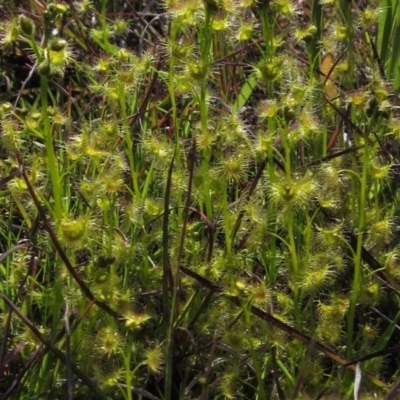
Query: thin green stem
[(358, 259), (51, 157)]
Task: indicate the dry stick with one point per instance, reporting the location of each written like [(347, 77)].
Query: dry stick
[(377, 58), (336, 132), (385, 317), (57, 352), (9, 178), (40, 352), (275, 375), (68, 363), (392, 393), (203, 217), (250, 192), (29, 77), (88, 105), (9, 357), (380, 353), (319, 397), (21, 373), (333, 156), (177, 286), (381, 274), (368, 258), (341, 113), (145, 24), (365, 254), (214, 344), (4, 255), (204, 395), (3, 349), (345, 117), (187, 207), (280, 325), (84, 288), (235, 229), (167, 279), (146, 96), (303, 371)]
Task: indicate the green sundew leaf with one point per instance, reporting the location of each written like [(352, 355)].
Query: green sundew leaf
[(245, 92)]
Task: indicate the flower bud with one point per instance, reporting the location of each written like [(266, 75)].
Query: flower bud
[(21, 112), (5, 107), (57, 44), (44, 68), (26, 25)]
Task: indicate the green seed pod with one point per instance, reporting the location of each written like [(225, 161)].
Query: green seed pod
[(211, 6), (198, 71), (26, 25), (72, 231), (5, 107), (123, 55), (21, 112), (268, 70), (36, 116), (287, 193), (101, 277), (372, 107), (381, 93), (44, 68), (61, 8), (288, 114), (57, 44), (105, 261), (56, 73), (312, 30), (52, 9), (261, 5), (341, 33), (245, 32), (51, 111), (240, 286)]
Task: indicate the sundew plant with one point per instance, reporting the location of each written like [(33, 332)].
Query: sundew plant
[(199, 199)]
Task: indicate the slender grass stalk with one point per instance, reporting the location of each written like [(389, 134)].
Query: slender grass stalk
[(52, 162), (357, 279), (129, 142), (168, 281), (129, 374), (51, 157), (266, 29), (314, 46), (261, 395)]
